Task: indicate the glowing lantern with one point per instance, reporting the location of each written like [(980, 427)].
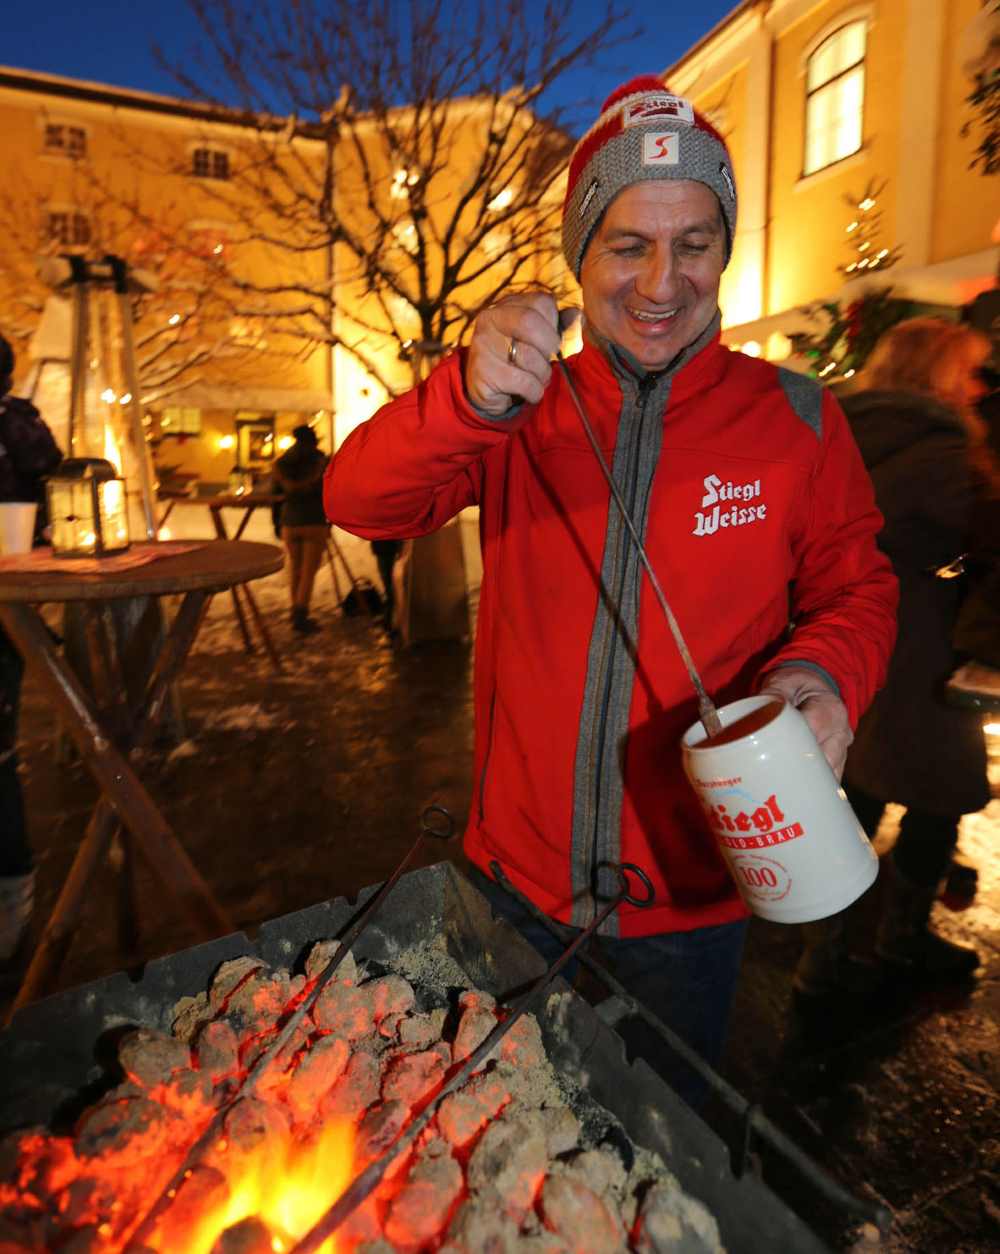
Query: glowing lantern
[(87, 508)]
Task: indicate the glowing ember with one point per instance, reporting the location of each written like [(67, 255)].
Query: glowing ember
[(503, 1163)]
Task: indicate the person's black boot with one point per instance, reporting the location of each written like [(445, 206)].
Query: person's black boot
[(905, 938), (826, 969), (302, 623)]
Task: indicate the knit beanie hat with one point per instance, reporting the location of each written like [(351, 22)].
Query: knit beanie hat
[(644, 132)]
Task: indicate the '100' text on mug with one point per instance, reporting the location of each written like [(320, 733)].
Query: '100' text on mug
[(791, 841)]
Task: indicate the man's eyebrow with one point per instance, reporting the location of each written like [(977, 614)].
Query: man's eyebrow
[(708, 226)]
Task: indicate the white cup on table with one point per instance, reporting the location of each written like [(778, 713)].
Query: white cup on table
[(17, 526)]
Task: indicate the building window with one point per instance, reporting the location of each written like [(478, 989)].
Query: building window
[(835, 93), (67, 228), (180, 421), (210, 163), (65, 141)]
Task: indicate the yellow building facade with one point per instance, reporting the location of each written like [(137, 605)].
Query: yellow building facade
[(225, 212), (817, 102), (92, 169)]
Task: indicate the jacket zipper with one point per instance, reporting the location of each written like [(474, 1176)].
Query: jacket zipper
[(643, 392)]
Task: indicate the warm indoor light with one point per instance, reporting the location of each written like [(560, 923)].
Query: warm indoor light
[(227, 441), (109, 396), (750, 349), (284, 442)]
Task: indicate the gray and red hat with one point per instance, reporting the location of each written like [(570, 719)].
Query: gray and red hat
[(644, 132)]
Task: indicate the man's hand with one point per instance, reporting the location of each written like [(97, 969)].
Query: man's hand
[(512, 344), (820, 706)]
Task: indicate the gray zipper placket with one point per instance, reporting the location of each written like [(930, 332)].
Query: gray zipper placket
[(598, 791)]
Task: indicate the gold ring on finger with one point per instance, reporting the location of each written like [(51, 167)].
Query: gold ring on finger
[(512, 353)]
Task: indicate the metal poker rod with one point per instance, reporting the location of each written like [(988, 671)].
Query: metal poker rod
[(435, 824), (368, 1181), (707, 712)]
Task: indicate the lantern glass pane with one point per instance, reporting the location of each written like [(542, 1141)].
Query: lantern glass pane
[(113, 514)]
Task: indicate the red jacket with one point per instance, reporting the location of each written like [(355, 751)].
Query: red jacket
[(755, 510)]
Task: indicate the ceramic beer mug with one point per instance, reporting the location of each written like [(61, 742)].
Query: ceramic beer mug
[(791, 840)]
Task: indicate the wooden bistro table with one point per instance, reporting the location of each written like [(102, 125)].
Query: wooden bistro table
[(247, 502), (109, 727)]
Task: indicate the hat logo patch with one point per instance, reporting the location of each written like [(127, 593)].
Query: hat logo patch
[(724, 171), (591, 193), (661, 148), (665, 108)]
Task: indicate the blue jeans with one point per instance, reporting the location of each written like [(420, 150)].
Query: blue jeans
[(686, 979)]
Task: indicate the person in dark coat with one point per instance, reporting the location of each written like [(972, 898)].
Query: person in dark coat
[(28, 452), (921, 441), (298, 477)]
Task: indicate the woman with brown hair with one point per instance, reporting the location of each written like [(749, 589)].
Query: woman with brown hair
[(924, 446)]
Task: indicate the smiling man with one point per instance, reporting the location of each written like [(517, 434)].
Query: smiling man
[(754, 508)]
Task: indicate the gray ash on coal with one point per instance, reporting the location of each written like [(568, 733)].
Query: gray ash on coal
[(518, 1160)]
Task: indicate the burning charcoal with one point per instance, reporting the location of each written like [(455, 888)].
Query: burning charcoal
[(356, 1089), (188, 1015), (345, 1010), (482, 1224), (559, 1126), (671, 1220), (86, 1240), (419, 1031), (421, 1208), (259, 999), (511, 1156), (316, 1073), (217, 1050), (379, 1128), (249, 1236), (474, 1027), (463, 1115), (319, 958), (388, 1028), (150, 1058), (600, 1170), (203, 1189), (229, 977), (280, 1062), (544, 1243), (523, 1045), (410, 1078), (363, 1226), (476, 999), (391, 995), (252, 1121), (128, 1125), (585, 1221), (79, 1202)]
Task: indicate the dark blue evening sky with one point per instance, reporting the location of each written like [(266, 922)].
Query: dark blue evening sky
[(110, 41)]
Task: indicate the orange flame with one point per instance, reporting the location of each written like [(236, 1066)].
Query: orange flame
[(287, 1183)]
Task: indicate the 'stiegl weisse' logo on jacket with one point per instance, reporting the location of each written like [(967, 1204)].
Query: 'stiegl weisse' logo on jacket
[(726, 504)]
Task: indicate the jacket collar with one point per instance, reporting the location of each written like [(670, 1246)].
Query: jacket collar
[(697, 366)]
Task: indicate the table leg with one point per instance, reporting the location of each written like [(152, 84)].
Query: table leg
[(261, 625), (64, 919), (119, 783), (234, 592)]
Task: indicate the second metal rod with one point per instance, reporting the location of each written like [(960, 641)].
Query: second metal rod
[(707, 712)]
